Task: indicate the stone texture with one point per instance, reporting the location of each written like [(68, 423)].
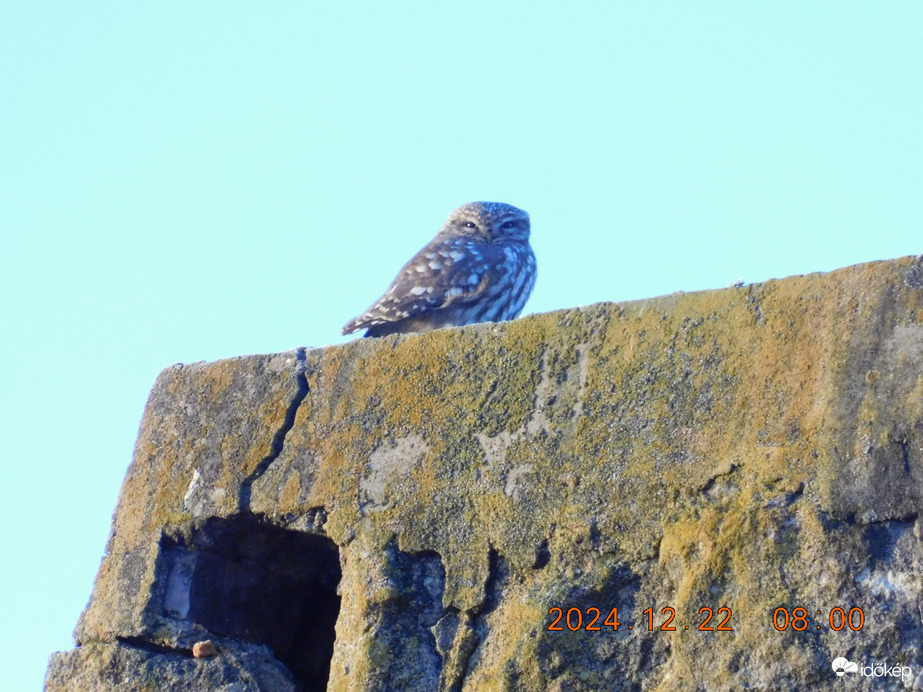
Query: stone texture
[(433, 497), (102, 667)]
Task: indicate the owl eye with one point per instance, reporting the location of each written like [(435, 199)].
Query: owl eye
[(470, 224), (507, 225)]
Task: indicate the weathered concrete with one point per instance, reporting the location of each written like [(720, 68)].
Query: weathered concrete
[(749, 449)]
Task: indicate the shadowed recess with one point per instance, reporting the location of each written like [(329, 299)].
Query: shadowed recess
[(245, 579)]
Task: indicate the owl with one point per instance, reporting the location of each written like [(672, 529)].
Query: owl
[(478, 268)]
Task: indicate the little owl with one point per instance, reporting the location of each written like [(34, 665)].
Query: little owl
[(478, 268)]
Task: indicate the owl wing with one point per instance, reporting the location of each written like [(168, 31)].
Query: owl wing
[(443, 274)]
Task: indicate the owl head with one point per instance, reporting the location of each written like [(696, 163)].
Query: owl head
[(493, 222)]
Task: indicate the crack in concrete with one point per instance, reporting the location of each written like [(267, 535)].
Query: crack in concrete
[(456, 670), (710, 483), (278, 440), (905, 455), (475, 622), (145, 645)]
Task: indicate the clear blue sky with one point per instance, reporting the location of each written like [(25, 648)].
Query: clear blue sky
[(183, 182)]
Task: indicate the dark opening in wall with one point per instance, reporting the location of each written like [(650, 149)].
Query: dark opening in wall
[(243, 578)]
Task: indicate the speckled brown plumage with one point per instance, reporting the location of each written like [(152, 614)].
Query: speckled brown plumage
[(478, 268)]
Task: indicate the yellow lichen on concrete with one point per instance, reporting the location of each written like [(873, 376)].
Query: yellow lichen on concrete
[(716, 450)]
